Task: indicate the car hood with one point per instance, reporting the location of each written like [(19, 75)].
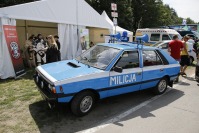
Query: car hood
[(67, 69)]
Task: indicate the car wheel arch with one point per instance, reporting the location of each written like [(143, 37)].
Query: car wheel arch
[(97, 96)]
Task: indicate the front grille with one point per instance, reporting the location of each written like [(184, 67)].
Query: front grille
[(42, 83)]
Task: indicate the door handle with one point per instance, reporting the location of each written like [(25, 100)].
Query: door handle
[(139, 73), (161, 70)]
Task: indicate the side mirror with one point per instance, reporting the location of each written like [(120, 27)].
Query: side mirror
[(117, 69)]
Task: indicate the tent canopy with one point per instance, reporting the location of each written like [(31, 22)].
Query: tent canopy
[(118, 29), (76, 12)]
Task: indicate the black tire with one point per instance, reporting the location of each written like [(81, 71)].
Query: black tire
[(161, 87), (83, 103)]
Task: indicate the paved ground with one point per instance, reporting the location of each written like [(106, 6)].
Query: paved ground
[(177, 111)]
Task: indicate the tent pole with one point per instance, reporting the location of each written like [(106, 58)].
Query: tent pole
[(26, 29)]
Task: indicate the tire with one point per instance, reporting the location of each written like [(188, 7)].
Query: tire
[(161, 87), (82, 103)]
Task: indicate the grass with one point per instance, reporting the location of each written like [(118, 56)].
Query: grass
[(16, 95)]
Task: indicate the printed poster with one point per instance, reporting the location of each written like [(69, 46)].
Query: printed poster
[(14, 49)]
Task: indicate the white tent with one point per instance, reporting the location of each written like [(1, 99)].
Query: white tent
[(118, 29), (76, 12), (67, 13)]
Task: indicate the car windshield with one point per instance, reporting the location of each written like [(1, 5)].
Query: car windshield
[(98, 56), (171, 36)]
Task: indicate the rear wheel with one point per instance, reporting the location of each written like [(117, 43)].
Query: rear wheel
[(82, 103), (161, 87)]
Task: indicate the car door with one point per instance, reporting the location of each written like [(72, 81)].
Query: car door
[(129, 79), (153, 69)]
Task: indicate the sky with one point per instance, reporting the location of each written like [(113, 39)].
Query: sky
[(185, 8)]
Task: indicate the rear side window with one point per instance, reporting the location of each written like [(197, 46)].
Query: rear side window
[(151, 58), (155, 37), (165, 37), (165, 61)]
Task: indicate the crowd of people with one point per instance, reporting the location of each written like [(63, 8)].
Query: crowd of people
[(40, 50), (179, 51)]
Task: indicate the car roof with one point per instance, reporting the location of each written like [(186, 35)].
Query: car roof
[(125, 46)]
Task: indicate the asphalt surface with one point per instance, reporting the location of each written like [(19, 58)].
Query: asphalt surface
[(177, 111)]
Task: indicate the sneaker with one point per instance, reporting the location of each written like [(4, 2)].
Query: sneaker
[(184, 74)]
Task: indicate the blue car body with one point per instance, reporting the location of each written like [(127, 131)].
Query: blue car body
[(70, 77)]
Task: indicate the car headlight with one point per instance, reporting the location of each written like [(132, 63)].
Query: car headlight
[(42, 84), (50, 87), (37, 79)]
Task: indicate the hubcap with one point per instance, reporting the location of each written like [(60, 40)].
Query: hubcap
[(162, 85), (86, 104)]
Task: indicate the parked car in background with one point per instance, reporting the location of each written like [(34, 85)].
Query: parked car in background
[(151, 36), (189, 33), (165, 44), (196, 34)]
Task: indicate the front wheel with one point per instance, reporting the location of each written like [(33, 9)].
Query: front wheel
[(82, 103), (161, 87)]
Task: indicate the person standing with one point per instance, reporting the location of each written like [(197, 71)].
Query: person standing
[(175, 47), (52, 53), (29, 52), (184, 56), (91, 44), (83, 43), (58, 45)]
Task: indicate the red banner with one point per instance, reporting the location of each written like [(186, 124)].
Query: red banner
[(14, 49)]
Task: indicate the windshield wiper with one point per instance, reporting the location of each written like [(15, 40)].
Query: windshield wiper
[(85, 58)]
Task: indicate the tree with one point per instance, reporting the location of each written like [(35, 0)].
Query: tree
[(123, 8)]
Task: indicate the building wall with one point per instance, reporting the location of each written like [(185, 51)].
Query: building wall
[(96, 35), (26, 28)]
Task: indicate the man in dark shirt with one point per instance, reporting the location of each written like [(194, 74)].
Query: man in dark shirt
[(58, 45)]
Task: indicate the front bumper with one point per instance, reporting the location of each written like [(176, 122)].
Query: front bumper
[(45, 92)]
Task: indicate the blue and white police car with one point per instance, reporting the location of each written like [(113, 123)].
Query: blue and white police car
[(105, 70)]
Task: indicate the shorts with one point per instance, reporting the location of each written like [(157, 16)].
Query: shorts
[(185, 60)]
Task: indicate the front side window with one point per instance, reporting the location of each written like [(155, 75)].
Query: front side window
[(98, 56), (155, 37), (165, 37), (129, 59), (151, 58)]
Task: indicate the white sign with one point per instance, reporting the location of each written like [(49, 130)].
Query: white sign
[(184, 22), (115, 21), (114, 14), (113, 6), (107, 39), (84, 32)]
